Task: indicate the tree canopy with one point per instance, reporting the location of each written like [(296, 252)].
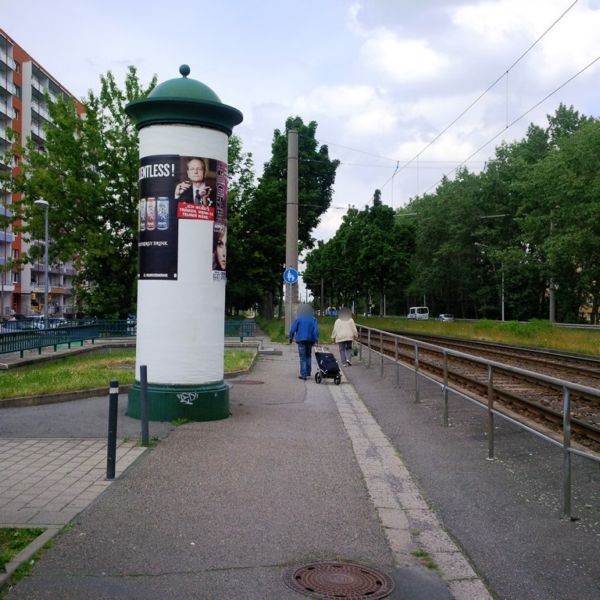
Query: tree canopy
[(528, 223), (88, 173)]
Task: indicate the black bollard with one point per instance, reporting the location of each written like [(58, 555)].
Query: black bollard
[(111, 450), (144, 404)]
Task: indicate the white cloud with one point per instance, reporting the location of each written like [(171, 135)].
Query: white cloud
[(405, 60), (511, 25), (361, 108)]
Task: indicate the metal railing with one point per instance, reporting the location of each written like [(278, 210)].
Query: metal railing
[(18, 336), (36, 339), (240, 328), (31, 331), (375, 343)]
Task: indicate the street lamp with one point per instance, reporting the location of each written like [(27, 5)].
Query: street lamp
[(480, 245), (45, 204)]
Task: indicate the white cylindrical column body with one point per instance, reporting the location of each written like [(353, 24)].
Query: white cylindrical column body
[(181, 321)]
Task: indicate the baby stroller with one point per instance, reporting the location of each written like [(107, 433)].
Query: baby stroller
[(327, 366)]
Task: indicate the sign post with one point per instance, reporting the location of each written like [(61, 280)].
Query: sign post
[(184, 129), (290, 277)]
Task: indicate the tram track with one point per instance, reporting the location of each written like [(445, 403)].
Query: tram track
[(525, 396)]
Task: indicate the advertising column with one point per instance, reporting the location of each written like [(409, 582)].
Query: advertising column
[(184, 130)]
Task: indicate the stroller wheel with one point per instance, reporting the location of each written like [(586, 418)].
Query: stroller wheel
[(337, 380), (318, 377)]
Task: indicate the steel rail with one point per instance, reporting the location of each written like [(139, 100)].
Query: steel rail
[(567, 387)]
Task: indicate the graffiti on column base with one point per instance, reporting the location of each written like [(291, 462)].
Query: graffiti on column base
[(187, 397)]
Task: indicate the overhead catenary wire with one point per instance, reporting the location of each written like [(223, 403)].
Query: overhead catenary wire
[(514, 121), (488, 89), (402, 165), (355, 164)]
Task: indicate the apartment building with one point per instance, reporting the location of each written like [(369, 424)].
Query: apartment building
[(23, 85)]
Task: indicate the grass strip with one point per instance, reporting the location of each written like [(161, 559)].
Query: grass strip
[(535, 333), (88, 371), (13, 540)]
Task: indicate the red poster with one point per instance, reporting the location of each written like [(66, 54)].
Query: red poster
[(198, 212)]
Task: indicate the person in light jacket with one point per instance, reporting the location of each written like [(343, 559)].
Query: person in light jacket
[(344, 331)]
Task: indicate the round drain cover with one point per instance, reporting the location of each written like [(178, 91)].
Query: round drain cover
[(338, 580)]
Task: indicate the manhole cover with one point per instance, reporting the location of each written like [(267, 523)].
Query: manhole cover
[(335, 580), (248, 382)]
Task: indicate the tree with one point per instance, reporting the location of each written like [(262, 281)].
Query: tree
[(266, 213), (88, 172), (242, 288), (368, 258)]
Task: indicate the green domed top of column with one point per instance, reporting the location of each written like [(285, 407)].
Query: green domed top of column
[(184, 101)]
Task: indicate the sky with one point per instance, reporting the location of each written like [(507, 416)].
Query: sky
[(382, 78)]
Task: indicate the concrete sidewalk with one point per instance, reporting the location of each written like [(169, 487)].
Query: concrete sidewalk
[(300, 473)]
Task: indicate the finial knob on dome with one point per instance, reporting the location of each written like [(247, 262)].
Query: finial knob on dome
[(184, 70)]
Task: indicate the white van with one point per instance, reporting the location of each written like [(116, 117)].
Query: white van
[(418, 312)]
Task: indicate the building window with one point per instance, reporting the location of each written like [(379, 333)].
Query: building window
[(16, 276), (18, 91), (17, 66), (15, 254), (17, 114)]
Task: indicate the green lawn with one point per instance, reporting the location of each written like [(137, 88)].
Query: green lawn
[(534, 333), (13, 540), (88, 371)]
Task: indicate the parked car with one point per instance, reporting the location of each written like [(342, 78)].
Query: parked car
[(39, 322), (446, 317), (418, 313)]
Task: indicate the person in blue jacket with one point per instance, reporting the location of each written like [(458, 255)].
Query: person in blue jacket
[(306, 331)]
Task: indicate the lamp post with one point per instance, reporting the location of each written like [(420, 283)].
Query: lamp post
[(480, 245), (45, 204)]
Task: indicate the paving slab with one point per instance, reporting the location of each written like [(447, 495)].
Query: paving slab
[(223, 509), (32, 496)]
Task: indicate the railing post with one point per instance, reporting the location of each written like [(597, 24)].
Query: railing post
[(144, 404), (566, 453), (417, 392), (360, 344), (381, 352), (397, 362), (490, 428), (445, 391), (111, 447), (369, 346)]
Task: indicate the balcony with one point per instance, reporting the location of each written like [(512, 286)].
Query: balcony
[(7, 236), (4, 134), (37, 85), (5, 212), (40, 110), (38, 132), (8, 86), (7, 111), (7, 60)]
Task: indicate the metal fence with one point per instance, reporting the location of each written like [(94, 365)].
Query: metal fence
[(240, 328), (375, 343), (25, 335), (32, 339)]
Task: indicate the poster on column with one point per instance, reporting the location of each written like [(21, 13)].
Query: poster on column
[(158, 229), (219, 255), (174, 187)]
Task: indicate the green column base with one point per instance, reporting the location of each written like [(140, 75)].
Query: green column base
[(200, 402)]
